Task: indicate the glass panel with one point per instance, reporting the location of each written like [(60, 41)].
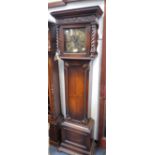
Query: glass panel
[(75, 40)]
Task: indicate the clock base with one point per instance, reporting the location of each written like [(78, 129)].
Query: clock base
[(77, 138), (71, 150)]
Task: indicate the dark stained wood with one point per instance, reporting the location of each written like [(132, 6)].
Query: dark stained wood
[(54, 114), (76, 82), (102, 99), (88, 11), (86, 18), (77, 128), (51, 38), (77, 139), (55, 131)]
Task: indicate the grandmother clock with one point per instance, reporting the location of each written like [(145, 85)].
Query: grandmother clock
[(76, 45)]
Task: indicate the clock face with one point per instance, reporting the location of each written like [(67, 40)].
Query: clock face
[(75, 40)]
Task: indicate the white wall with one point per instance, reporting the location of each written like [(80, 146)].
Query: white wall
[(95, 78)]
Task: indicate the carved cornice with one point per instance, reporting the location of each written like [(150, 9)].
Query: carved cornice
[(86, 19), (80, 12)]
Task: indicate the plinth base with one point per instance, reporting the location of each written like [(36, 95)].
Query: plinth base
[(71, 150), (77, 138)]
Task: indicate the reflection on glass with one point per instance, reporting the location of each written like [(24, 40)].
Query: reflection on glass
[(75, 40)]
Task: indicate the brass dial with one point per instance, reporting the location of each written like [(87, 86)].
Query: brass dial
[(75, 40)]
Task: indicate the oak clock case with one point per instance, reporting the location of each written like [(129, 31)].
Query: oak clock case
[(54, 108), (76, 44)]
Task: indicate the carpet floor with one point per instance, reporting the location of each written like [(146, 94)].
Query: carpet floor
[(53, 151)]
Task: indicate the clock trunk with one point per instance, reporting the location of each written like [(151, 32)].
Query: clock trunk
[(76, 84)]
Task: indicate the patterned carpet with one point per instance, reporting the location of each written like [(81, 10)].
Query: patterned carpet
[(53, 151)]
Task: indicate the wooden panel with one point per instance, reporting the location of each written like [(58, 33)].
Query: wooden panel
[(76, 91), (76, 138), (76, 81)]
